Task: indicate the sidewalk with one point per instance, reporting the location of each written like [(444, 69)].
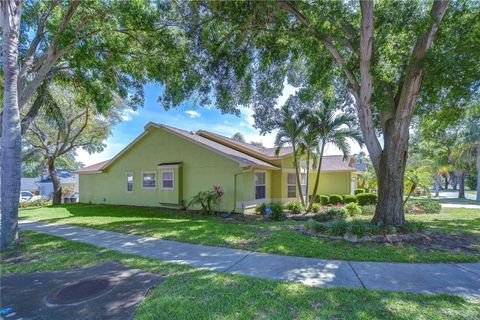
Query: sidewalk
[(462, 279)]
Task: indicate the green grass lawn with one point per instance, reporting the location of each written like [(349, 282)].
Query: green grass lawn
[(190, 293), (455, 200), (255, 234)]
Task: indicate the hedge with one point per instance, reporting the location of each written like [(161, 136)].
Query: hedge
[(335, 199), (348, 198), (357, 191), (367, 198)]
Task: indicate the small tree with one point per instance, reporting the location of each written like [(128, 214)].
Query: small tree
[(239, 137), (333, 128), (67, 123), (417, 179), (290, 130)]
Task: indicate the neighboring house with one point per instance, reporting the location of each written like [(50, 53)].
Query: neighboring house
[(29, 184), (68, 179), (166, 166)]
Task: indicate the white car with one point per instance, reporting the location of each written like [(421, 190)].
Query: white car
[(28, 196), (25, 196)]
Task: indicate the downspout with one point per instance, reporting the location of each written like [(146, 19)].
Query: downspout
[(235, 186)]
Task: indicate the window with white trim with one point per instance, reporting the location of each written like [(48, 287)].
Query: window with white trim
[(303, 183), (149, 180), (260, 185), (291, 185), (129, 181), (168, 178)]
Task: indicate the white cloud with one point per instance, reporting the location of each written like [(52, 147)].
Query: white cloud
[(109, 152), (193, 114), (128, 114)]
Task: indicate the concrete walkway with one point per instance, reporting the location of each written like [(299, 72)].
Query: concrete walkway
[(462, 279)]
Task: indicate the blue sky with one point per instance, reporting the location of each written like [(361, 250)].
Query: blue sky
[(187, 117)]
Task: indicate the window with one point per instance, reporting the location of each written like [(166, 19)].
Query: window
[(303, 183), (260, 185), (129, 179), (291, 185), (149, 180), (167, 180)]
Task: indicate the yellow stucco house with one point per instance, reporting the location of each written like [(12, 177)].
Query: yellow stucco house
[(166, 167)]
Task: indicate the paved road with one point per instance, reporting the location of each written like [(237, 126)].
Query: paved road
[(454, 195), (462, 279)]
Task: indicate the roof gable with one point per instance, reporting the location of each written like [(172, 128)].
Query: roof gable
[(244, 160), (262, 153)]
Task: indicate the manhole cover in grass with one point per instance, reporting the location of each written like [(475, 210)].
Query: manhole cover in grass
[(79, 292)]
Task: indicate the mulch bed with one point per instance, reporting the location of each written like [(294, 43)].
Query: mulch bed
[(457, 242)]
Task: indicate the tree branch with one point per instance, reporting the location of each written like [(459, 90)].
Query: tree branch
[(410, 87)]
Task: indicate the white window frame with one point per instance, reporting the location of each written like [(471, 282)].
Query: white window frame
[(126, 181), (303, 185), (292, 185), (173, 179), (255, 185), (149, 172)]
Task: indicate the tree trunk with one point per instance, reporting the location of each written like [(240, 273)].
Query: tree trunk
[(57, 186), (317, 178), (390, 177), (297, 172), (11, 147), (437, 184), (454, 182), (446, 182), (309, 200), (478, 172), (461, 184)]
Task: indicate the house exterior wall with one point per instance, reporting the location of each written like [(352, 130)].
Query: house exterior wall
[(331, 182), (201, 169)]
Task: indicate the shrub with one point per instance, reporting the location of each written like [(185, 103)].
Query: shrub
[(323, 200), (35, 203), (422, 207), (372, 228), (295, 207), (358, 191), (368, 210), (335, 199), (349, 198), (261, 208), (358, 228), (367, 198), (316, 226), (412, 227), (353, 209), (276, 211), (321, 217), (207, 199), (315, 208), (338, 227), (336, 213)]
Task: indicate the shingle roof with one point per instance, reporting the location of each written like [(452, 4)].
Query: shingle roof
[(244, 159), (336, 163), (267, 152), (93, 168)]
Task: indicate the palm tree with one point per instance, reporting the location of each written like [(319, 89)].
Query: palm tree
[(332, 128), (469, 149), (417, 178), (308, 146), (11, 155), (290, 128)]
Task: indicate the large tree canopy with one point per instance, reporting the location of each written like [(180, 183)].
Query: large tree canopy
[(104, 48), (379, 53)]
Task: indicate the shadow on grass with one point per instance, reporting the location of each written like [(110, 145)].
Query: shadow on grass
[(198, 294)]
